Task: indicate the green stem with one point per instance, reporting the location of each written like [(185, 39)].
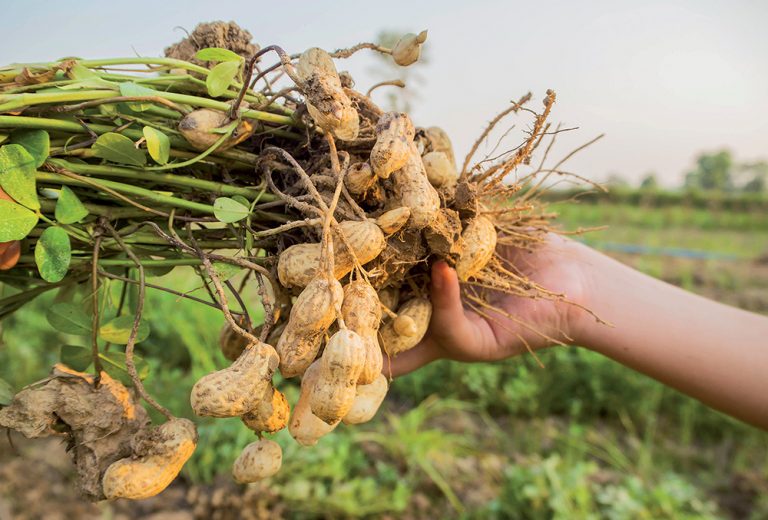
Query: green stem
[(10, 102), (76, 234), (137, 174), (59, 125), (49, 206), (143, 193)]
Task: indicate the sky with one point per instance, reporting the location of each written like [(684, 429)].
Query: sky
[(664, 80)]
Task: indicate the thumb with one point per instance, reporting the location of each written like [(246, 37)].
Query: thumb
[(446, 294)]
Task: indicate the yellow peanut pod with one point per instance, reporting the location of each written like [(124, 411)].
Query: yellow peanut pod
[(368, 399), (394, 220), (158, 455), (417, 310), (298, 264), (413, 190), (438, 141), (311, 315), (259, 460), (198, 127), (478, 243), (231, 343), (408, 48), (394, 136), (237, 389), (440, 172), (333, 393), (359, 179), (361, 311), (270, 414), (306, 427)]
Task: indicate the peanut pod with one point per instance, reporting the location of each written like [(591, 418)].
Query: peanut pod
[(478, 243), (198, 127), (412, 189), (368, 399), (306, 427), (237, 389), (311, 315), (440, 172), (393, 220), (158, 455), (408, 48), (270, 414), (362, 314), (298, 264), (259, 460), (333, 394), (413, 316), (394, 136)]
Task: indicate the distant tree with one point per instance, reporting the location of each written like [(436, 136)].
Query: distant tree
[(756, 175), (399, 99), (649, 182), (713, 172)]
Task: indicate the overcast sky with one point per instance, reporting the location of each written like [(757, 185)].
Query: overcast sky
[(664, 80)]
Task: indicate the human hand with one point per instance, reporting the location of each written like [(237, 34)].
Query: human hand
[(455, 332)]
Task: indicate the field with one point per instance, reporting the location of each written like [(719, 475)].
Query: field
[(581, 438)]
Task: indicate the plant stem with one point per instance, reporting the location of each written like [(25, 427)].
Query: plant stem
[(10, 102), (143, 193), (138, 174)]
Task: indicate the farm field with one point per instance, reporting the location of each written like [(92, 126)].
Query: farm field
[(581, 438)]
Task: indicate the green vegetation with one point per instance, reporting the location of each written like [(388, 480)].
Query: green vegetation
[(581, 438)]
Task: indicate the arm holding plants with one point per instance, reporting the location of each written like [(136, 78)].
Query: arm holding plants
[(710, 351)]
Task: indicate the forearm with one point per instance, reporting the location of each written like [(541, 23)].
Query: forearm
[(715, 353)]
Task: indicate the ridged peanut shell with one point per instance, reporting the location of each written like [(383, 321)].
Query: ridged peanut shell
[(394, 136), (304, 426), (259, 460), (440, 142), (408, 48), (478, 242), (298, 264), (362, 314), (368, 399), (413, 190), (333, 393), (197, 128), (270, 414), (231, 343), (417, 309), (359, 178), (311, 315), (440, 171), (237, 389), (315, 61), (394, 220), (159, 454)]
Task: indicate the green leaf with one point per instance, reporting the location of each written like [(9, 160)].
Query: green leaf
[(225, 271), (114, 365), (217, 54), (69, 209), (16, 221), (242, 200), (69, 318), (17, 175), (119, 149), (118, 330), (229, 210), (53, 253), (158, 145), (220, 77), (36, 142), (130, 89), (6, 393), (78, 71), (76, 357)]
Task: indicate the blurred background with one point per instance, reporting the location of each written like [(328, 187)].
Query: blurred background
[(679, 90)]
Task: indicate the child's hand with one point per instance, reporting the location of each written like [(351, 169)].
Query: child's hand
[(461, 334)]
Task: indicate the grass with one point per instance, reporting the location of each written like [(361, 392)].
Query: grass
[(582, 438)]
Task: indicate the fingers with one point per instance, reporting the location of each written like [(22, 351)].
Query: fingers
[(408, 361), (446, 295)]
